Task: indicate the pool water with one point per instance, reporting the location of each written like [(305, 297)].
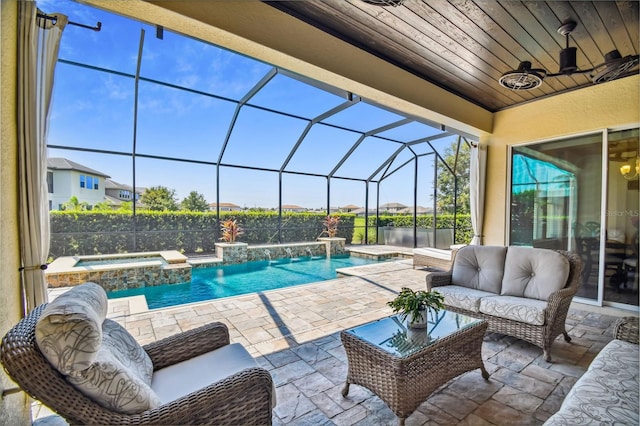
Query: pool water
[(250, 277), (120, 260)]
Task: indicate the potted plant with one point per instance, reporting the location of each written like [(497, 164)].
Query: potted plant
[(331, 226), (416, 305), (230, 230)]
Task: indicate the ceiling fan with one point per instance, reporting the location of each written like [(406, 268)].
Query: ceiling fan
[(527, 78)]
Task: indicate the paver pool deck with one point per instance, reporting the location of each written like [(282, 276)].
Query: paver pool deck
[(294, 333)]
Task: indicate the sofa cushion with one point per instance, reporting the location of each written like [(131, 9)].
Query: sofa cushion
[(462, 297), (183, 378), (69, 331), (534, 273), (521, 309), (607, 393), (479, 267)]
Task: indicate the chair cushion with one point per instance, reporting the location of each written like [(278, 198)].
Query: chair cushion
[(462, 297), (69, 331), (479, 267), (534, 273), (608, 393), (521, 309), (183, 378)]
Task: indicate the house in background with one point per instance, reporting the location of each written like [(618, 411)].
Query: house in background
[(420, 210), (349, 208), (118, 193), (225, 207), (292, 208), (66, 179), (392, 208)]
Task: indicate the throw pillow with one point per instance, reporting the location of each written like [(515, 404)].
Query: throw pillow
[(109, 383), (69, 331)]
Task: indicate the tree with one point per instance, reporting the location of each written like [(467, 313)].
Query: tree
[(126, 206), (447, 194), (75, 205), (159, 198), (194, 202), (103, 206)]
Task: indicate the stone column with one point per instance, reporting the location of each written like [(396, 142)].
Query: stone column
[(335, 245), (232, 252)]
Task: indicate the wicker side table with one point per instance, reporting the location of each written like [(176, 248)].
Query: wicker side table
[(404, 366)]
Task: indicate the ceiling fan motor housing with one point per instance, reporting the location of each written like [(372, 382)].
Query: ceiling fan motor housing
[(568, 64)]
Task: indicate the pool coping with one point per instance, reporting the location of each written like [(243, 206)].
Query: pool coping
[(66, 264)]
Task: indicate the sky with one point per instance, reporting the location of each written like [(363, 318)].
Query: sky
[(95, 110)]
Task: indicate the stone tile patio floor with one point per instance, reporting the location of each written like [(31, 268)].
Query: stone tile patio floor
[(294, 333)]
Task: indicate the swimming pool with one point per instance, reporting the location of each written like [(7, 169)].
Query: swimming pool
[(233, 280)]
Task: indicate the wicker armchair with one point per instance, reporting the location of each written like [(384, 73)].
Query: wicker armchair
[(242, 398)]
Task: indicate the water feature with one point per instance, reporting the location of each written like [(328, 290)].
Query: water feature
[(267, 254), (289, 252)]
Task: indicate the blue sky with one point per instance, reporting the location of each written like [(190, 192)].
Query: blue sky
[(95, 110)]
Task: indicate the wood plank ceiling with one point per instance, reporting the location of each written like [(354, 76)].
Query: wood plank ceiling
[(465, 46)]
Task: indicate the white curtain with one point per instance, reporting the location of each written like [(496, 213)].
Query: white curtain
[(477, 175), (39, 40)]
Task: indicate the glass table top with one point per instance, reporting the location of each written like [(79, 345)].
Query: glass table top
[(392, 335)]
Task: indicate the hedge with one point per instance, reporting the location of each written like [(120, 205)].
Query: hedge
[(85, 233)]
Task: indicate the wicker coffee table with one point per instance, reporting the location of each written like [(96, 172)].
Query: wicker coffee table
[(403, 366)]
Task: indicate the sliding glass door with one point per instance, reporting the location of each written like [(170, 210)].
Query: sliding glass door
[(581, 194), (620, 267)]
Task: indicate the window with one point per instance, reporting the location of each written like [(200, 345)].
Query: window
[(124, 194), (50, 184), (95, 183), (82, 181), (89, 182)]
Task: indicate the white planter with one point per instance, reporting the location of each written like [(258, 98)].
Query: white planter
[(420, 322)]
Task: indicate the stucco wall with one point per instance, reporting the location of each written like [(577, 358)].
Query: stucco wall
[(594, 108), (14, 408)]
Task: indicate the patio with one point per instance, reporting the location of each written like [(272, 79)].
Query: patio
[(294, 333)]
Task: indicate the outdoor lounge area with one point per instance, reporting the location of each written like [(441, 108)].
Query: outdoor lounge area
[(294, 333), (160, 126)]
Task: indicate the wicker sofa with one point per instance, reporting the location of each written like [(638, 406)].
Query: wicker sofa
[(607, 393), (520, 291)]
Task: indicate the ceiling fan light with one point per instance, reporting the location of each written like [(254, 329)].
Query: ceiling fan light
[(524, 78), (614, 66)]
